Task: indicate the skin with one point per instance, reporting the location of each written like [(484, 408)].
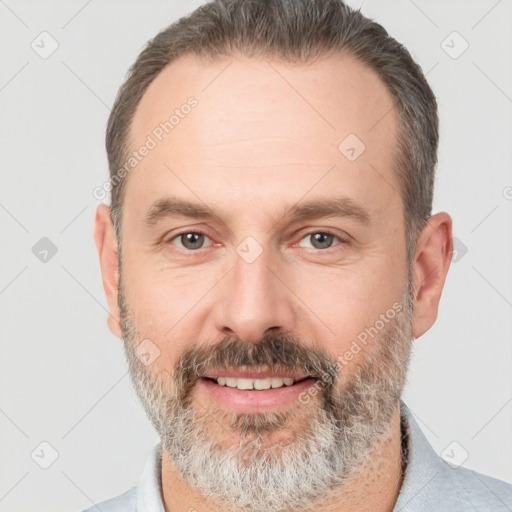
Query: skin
[(264, 137)]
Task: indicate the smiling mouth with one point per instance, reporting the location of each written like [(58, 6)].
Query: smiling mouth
[(249, 390), (248, 384)]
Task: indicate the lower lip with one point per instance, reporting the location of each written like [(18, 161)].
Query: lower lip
[(247, 401)]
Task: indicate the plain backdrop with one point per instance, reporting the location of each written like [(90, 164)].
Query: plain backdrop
[(64, 379)]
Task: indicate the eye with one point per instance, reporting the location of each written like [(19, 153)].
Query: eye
[(189, 240), (321, 239)]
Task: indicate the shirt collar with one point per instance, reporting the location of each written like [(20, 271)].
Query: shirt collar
[(423, 463), (149, 490)]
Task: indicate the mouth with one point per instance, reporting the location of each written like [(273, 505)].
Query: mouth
[(259, 384), (254, 391)]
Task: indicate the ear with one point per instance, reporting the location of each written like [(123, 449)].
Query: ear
[(106, 244), (433, 256)]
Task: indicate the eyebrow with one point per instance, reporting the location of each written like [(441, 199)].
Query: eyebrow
[(335, 207)]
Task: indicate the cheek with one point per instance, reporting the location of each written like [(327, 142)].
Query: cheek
[(166, 307), (349, 305)]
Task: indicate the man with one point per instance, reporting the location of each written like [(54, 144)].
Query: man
[(269, 256)]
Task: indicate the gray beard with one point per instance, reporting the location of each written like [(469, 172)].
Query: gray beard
[(346, 419)]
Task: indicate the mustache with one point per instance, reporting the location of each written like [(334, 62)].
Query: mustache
[(274, 352)]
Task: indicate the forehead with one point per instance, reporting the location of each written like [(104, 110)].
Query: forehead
[(264, 130)]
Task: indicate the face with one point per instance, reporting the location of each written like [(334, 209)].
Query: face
[(263, 247), (277, 458)]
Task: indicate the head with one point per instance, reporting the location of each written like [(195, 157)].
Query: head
[(272, 168)]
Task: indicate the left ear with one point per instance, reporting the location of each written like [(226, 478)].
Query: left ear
[(432, 259), (106, 244)]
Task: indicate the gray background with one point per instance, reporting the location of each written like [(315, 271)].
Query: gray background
[(63, 375)]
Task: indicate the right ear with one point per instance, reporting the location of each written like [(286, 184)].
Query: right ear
[(106, 244)]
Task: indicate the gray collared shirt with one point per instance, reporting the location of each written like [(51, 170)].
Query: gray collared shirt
[(430, 484)]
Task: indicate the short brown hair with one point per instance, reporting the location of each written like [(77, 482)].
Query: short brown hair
[(296, 31)]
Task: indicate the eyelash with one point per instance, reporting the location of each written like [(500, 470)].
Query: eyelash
[(323, 232)]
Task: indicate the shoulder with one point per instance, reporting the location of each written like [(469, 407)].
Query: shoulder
[(447, 489), (450, 489), (126, 502), (474, 490), (431, 483), (145, 496)]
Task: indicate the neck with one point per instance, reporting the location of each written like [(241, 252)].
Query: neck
[(375, 487)]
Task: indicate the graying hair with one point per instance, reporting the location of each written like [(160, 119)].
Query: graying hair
[(294, 31)]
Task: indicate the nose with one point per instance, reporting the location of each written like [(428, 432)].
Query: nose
[(254, 300)]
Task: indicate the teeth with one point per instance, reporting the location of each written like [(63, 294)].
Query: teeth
[(245, 384), (262, 383), (275, 382)]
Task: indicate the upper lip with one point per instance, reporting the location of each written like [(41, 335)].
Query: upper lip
[(251, 373)]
